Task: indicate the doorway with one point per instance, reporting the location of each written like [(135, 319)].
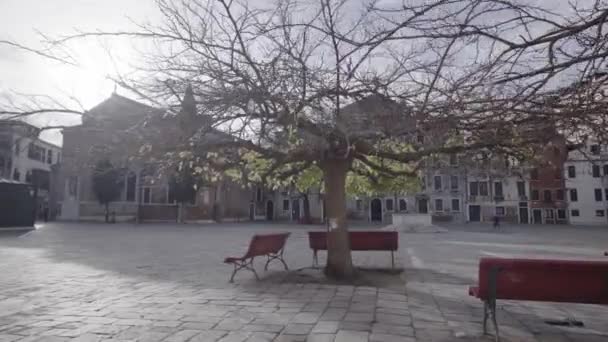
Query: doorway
[(423, 206), (251, 211), (537, 216), (295, 209), (376, 210), (474, 213), (523, 215), (269, 211)]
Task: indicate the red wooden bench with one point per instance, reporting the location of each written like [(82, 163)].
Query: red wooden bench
[(359, 241), (270, 245), (567, 281)]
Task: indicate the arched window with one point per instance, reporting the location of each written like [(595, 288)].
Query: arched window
[(131, 186), (402, 205)]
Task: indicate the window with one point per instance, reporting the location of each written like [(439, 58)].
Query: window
[(49, 157), (420, 139), (146, 196), (498, 189), (521, 189), (131, 185), (483, 188), (35, 152), (571, 171), (606, 194), (599, 213), (16, 175), (455, 204), (438, 205), (474, 188), (573, 195), (534, 174), (389, 204), (561, 214), (559, 194), (547, 195), (437, 182), (258, 195), (423, 185), (454, 182), (535, 195), (17, 147), (605, 169), (286, 205), (28, 177), (500, 211), (598, 194), (575, 213), (595, 149), (453, 160), (596, 171), (402, 205)]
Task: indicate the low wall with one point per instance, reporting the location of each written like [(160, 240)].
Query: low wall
[(412, 220)]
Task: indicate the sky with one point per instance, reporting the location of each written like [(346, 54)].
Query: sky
[(22, 20)]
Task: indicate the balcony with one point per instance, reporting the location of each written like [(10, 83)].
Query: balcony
[(499, 198)]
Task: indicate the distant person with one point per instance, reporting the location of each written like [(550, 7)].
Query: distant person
[(45, 213), (496, 222)]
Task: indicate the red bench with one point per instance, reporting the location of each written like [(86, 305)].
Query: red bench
[(359, 241), (270, 245), (568, 281)]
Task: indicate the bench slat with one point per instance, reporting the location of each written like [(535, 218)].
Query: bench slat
[(573, 281), (359, 240)]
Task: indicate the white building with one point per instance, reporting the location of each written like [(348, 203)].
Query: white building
[(587, 185), (26, 158)]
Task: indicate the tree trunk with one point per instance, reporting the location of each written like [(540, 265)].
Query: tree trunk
[(180, 212), (339, 261), (107, 205), (306, 205)]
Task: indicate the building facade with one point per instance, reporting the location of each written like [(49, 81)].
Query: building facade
[(587, 185), (24, 157)]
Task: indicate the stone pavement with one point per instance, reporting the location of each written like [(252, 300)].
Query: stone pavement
[(70, 282)]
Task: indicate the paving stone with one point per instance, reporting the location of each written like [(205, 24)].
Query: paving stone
[(273, 328), (359, 317), (356, 326), (390, 338), (305, 318), (182, 335), (291, 338), (208, 336), (9, 338), (321, 338), (297, 329), (235, 336), (261, 337), (351, 336), (326, 327)]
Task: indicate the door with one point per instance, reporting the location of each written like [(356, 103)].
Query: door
[(376, 210), (474, 213), (295, 209), (269, 210), (523, 215), (251, 211), (537, 216), (423, 207)]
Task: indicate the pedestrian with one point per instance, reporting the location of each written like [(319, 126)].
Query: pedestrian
[(496, 221)]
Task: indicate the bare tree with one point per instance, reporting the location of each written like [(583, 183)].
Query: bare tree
[(348, 86)]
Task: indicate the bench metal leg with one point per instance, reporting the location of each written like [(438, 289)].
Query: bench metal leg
[(490, 303), (485, 317), (278, 256), (246, 264), (315, 259)]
